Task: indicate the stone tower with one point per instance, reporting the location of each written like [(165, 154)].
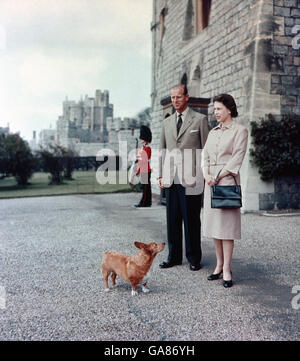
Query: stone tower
[(85, 121)]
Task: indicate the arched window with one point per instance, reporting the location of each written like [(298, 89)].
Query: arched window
[(202, 14), (184, 79), (162, 15), (194, 86), (197, 73), (188, 29)]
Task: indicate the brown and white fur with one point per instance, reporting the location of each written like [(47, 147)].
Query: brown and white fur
[(131, 269)]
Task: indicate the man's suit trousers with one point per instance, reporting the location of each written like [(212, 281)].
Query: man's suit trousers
[(186, 208)]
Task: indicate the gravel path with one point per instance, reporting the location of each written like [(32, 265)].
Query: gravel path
[(51, 287)]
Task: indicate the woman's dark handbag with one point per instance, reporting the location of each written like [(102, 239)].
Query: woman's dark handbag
[(226, 197)]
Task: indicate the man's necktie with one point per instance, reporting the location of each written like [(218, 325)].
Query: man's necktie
[(179, 123)]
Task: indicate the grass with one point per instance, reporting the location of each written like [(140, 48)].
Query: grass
[(82, 183)]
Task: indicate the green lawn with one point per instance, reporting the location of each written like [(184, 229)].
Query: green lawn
[(84, 182)]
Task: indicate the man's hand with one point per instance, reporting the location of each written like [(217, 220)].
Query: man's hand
[(160, 183)]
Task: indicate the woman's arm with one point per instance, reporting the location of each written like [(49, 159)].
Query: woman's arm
[(223, 174), (239, 149), (209, 179)]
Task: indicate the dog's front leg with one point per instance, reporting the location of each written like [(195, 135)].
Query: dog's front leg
[(145, 281), (134, 287), (144, 288), (113, 279)]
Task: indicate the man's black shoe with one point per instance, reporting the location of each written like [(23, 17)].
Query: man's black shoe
[(195, 267), (169, 264)]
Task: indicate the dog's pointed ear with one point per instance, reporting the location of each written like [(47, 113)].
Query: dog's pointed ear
[(140, 245)]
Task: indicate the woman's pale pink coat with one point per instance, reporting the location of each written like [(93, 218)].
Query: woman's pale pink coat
[(225, 148)]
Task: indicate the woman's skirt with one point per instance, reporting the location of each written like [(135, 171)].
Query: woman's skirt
[(220, 223)]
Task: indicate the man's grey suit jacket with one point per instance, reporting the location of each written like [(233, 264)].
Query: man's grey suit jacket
[(181, 153)]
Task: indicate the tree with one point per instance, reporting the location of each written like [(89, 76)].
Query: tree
[(52, 163), (4, 158), (276, 149), (58, 161), (17, 158), (68, 162)]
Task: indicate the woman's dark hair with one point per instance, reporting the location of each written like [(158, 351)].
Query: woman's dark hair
[(229, 103)]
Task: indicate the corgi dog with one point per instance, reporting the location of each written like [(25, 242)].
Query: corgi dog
[(132, 269)]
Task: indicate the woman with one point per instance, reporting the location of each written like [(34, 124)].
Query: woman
[(224, 151)]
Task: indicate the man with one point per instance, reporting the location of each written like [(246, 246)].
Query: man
[(183, 136)]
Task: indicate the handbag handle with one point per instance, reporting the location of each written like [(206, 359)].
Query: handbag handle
[(228, 174), (236, 185)]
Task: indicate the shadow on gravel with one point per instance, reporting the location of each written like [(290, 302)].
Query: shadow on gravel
[(259, 287)]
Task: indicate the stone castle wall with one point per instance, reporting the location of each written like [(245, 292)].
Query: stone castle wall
[(246, 50)]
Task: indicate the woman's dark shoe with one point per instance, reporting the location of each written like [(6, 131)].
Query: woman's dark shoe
[(214, 276), (229, 283)]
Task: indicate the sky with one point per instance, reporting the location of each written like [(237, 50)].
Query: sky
[(50, 49)]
